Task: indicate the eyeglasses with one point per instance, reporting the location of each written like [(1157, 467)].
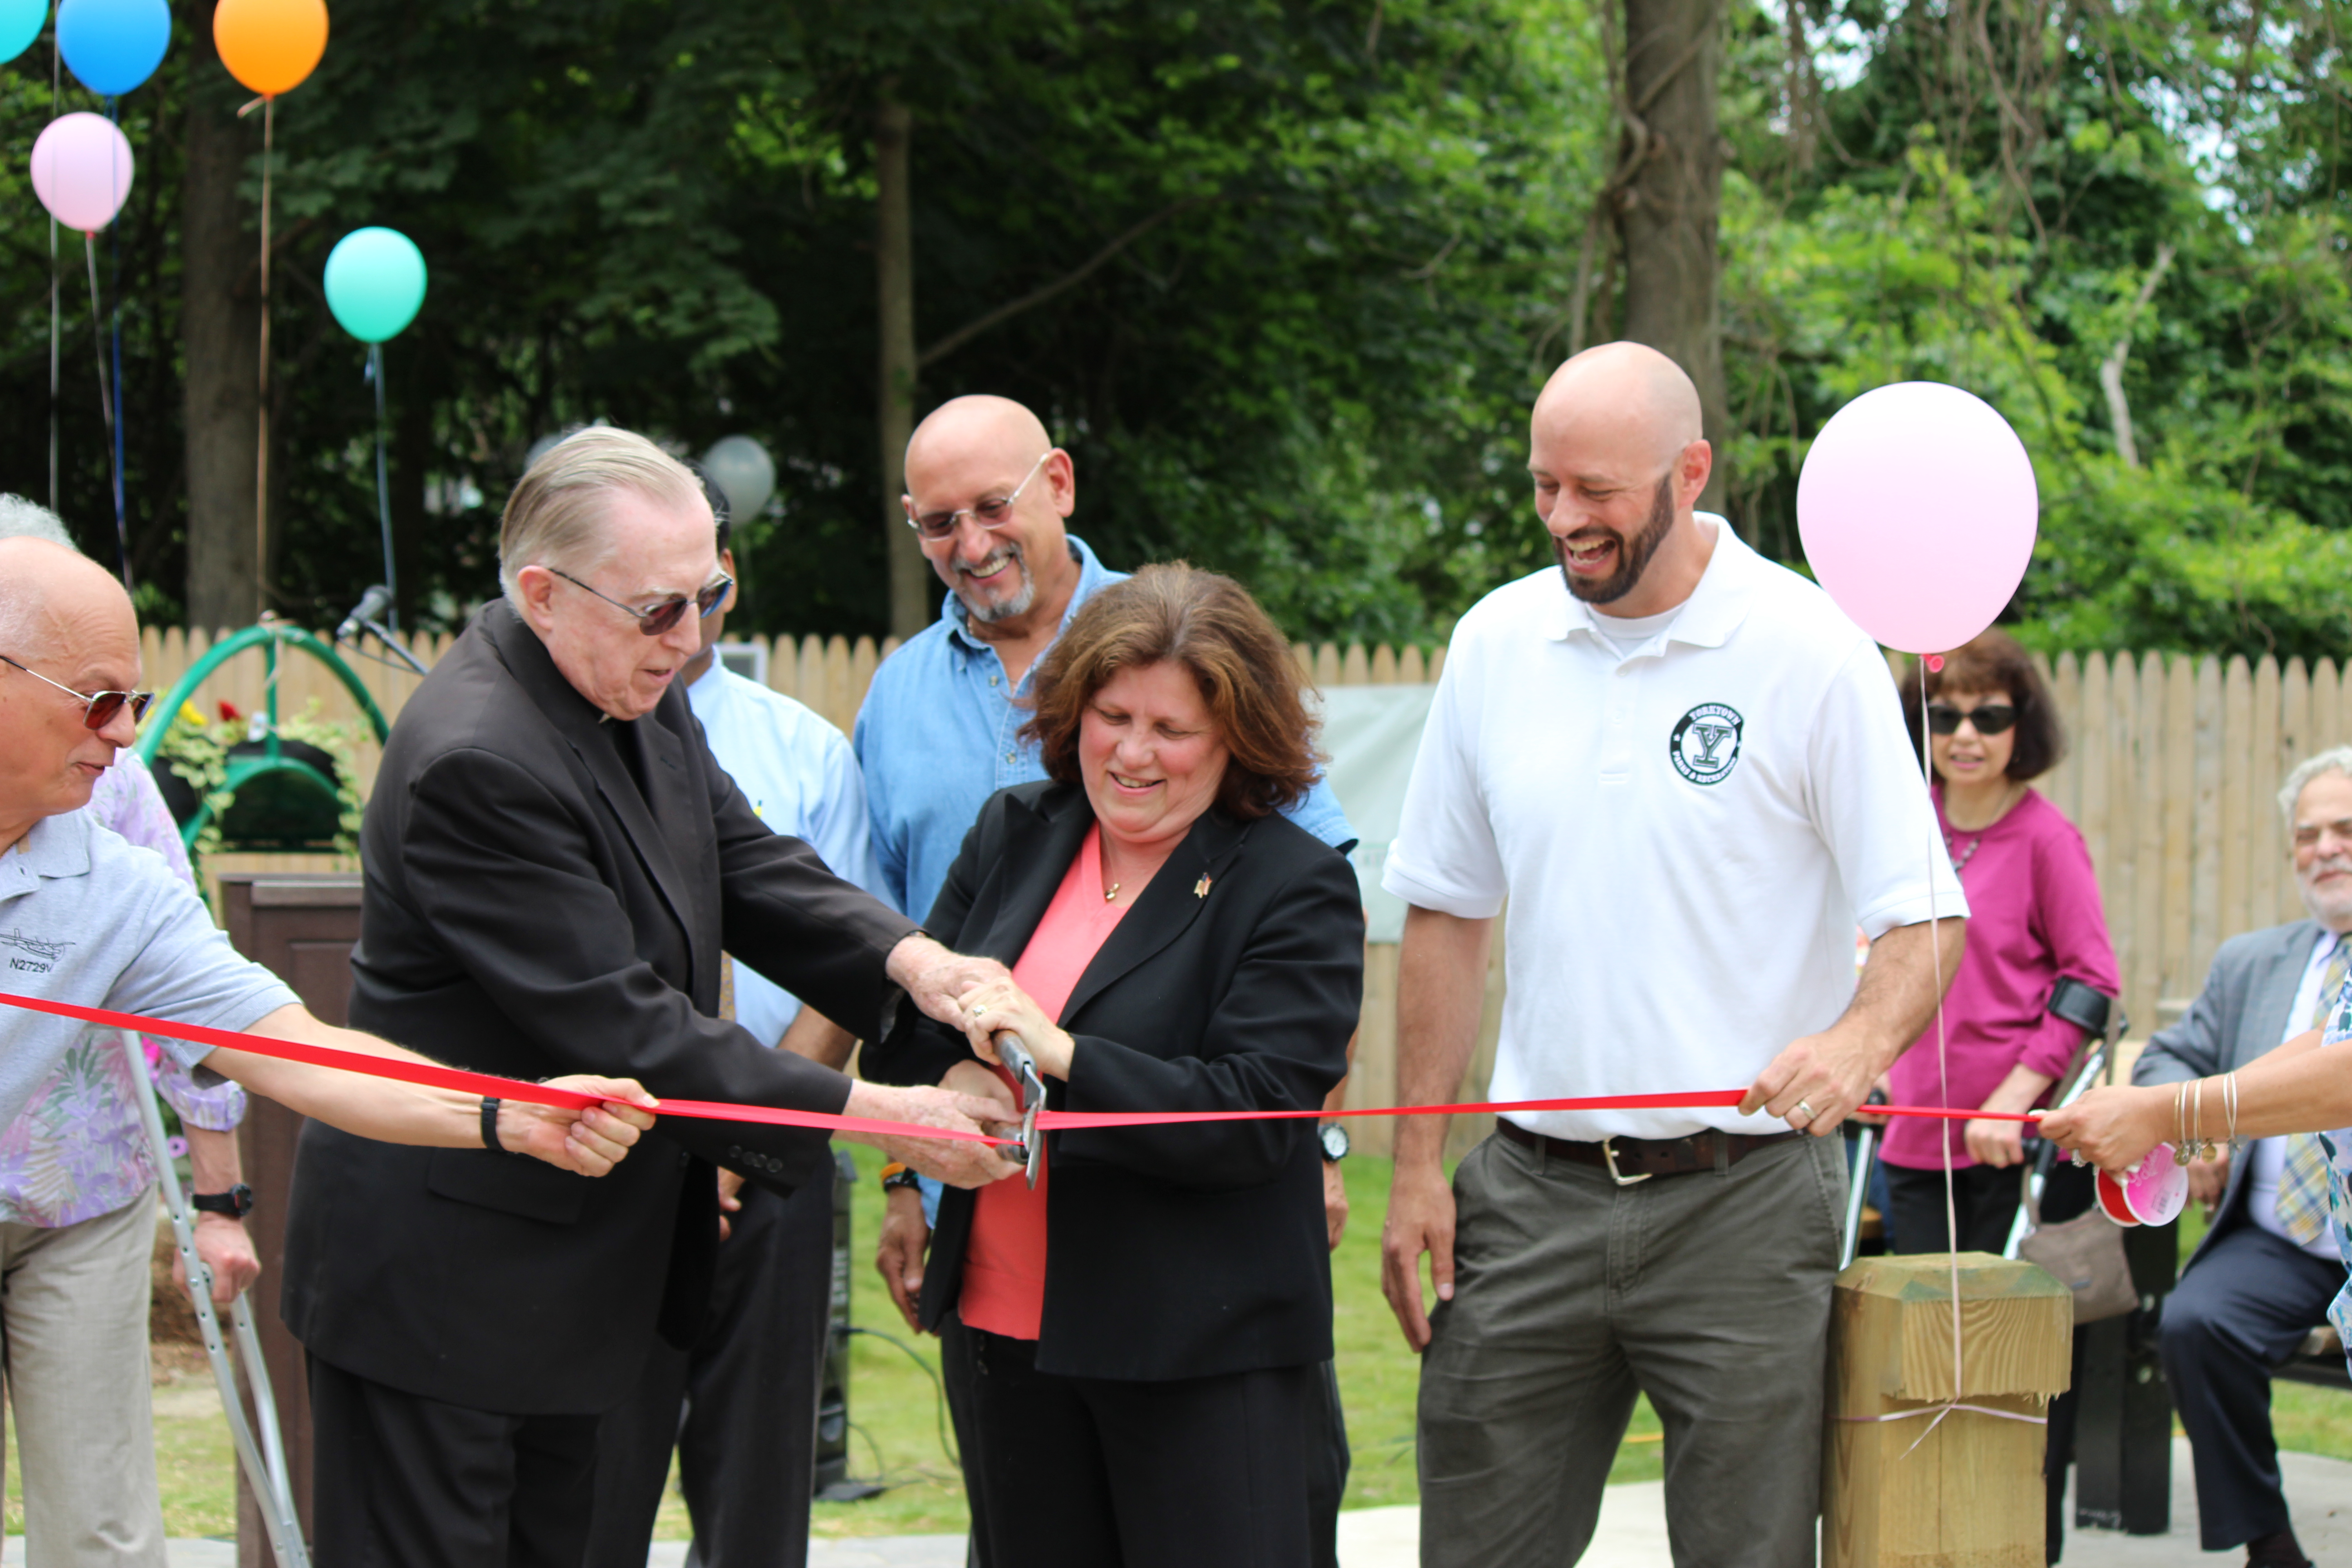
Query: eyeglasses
[(1942, 719), (102, 705), (989, 513), (660, 617), (2307, 834)]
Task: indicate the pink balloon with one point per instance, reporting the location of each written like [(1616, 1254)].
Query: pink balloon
[(81, 170), (1917, 509)]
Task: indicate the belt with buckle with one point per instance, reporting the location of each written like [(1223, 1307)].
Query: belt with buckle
[(1630, 1160)]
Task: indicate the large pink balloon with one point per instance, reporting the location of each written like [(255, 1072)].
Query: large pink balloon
[(81, 171), (1919, 510)]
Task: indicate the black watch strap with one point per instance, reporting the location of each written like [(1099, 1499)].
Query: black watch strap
[(236, 1203), (490, 1126)]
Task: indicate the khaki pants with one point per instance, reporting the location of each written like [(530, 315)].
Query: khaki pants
[(73, 1347), (1709, 1292)]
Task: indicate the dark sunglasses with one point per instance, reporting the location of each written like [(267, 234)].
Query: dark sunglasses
[(102, 706), (666, 615), (1942, 719)]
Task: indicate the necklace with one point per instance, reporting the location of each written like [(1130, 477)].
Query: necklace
[(1961, 860)]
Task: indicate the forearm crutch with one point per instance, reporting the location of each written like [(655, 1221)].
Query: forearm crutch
[(264, 1462)]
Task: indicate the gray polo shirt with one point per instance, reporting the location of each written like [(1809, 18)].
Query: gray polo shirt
[(88, 919)]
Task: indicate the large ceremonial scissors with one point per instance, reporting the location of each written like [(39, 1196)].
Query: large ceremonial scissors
[(1014, 1055)]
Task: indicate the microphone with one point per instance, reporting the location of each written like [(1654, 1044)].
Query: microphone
[(372, 607)]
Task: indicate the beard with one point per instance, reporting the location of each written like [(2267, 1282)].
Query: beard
[(2335, 903), (1633, 554), (1019, 603)]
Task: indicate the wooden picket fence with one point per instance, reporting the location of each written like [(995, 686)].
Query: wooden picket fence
[(2173, 767)]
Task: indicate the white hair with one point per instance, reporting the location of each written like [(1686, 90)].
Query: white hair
[(21, 519), (2334, 760), (556, 515)]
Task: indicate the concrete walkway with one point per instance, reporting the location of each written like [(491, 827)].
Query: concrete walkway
[(1631, 1534)]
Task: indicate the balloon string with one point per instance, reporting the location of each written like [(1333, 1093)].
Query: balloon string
[(57, 55), (1943, 1074), (98, 350), (383, 489), (114, 260), (261, 457)]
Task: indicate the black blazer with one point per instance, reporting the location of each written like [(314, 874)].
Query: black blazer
[(1176, 1251), (532, 911)]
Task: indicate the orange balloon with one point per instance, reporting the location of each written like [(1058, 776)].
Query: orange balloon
[(270, 45)]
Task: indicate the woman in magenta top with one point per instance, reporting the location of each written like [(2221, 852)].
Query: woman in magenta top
[(1142, 1333), (2033, 916)]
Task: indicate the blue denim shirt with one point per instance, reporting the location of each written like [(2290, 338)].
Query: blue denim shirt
[(938, 735)]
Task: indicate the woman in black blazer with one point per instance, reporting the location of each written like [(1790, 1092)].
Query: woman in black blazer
[(1149, 1324)]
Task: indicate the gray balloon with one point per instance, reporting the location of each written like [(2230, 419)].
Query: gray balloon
[(741, 467)]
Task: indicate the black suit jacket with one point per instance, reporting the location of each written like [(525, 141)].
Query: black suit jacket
[(1176, 1251), (530, 911)]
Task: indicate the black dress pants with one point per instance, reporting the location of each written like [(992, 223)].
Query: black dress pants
[(2242, 1309), (1984, 1201), (740, 1408), (1082, 1472), (403, 1481), (1328, 1455)]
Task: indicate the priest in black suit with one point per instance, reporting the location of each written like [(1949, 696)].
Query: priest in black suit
[(553, 864)]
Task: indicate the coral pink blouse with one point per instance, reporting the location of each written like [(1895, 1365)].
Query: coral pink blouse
[(1004, 1263)]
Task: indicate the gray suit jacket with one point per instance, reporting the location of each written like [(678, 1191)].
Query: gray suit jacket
[(2241, 1013)]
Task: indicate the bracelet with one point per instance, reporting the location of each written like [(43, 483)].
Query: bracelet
[(490, 1126), (2230, 1105), (895, 1177)]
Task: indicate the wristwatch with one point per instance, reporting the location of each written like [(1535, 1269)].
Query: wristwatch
[(895, 1176), (1334, 1138), (236, 1203)]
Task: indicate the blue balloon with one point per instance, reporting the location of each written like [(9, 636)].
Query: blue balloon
[(20, 24), (113, 46)]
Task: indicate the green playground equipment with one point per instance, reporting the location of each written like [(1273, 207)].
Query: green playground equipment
[(286, 794)]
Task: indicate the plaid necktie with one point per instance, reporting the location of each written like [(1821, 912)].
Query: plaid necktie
[(2302, 1186), (727, 1010)]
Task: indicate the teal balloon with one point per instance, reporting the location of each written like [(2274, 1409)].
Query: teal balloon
[(20, 23), (375, 282)]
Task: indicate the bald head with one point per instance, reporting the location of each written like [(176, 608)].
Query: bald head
[(981, 422), (1627, 396), (54, 601), (984, 470), (1617, 452)]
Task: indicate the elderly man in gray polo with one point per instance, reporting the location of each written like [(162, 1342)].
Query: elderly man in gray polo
[(87, 919)]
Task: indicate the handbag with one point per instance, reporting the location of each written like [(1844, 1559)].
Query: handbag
[(2084, 1253)]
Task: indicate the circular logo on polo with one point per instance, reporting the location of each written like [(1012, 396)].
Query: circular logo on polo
[(1706, 743)]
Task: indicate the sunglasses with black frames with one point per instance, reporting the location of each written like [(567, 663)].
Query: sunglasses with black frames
[(102, 706), (1991, 718), (658, 619)]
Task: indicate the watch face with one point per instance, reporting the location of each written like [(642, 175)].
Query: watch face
[(1335, 1142)]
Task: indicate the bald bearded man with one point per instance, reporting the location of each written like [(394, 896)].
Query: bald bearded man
[(1688, 775)]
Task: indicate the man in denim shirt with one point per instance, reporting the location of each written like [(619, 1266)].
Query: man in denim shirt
[(988, 493)]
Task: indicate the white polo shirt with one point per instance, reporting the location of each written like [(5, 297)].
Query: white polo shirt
[(1687, 834)]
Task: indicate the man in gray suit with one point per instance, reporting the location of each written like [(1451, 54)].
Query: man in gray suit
[(2267, 1267)]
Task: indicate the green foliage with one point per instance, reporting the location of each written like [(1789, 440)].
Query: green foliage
[(196, 750)]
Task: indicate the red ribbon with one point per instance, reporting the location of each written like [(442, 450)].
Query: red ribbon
[(464, 1082)]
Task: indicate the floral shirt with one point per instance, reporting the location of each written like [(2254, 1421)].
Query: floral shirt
[(77, 1149)]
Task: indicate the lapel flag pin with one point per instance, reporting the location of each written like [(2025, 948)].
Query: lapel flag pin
[(1201, 888)]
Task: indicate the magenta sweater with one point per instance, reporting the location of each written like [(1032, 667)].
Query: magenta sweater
[(2034, 915)]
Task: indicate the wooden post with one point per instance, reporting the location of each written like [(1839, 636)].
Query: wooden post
[(1969, 1494)]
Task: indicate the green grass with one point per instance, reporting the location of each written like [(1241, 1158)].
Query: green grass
[(896, 1414)]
